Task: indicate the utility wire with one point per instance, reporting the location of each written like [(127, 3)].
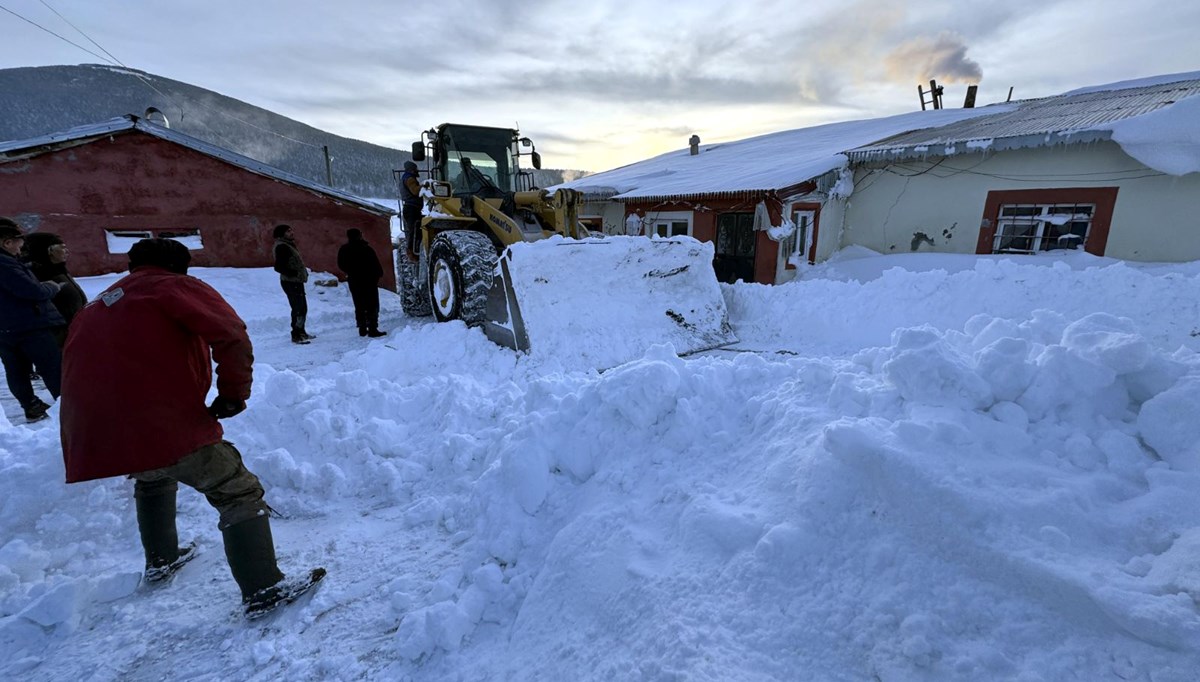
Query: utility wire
[(112, 59), (66, 40)]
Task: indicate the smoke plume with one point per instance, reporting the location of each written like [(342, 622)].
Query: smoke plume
[(923, 58)]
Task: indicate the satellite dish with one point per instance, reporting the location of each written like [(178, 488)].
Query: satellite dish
[(155, 116)]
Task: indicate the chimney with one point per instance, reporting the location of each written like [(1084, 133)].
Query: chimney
[(969, 102), (694, 144)]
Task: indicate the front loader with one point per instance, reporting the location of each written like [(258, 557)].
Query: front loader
[(470, 261)]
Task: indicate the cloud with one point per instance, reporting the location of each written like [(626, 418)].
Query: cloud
[(943, 57)]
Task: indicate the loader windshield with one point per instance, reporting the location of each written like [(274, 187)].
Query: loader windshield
[(476, 158)]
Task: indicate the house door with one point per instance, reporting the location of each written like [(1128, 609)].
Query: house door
[(734, 258)]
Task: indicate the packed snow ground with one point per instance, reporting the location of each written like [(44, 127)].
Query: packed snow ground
[(910, 468)]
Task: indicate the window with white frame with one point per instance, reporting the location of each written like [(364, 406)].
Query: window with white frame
[(1029, 228), (669, 224), (795, 246), (120, 241)]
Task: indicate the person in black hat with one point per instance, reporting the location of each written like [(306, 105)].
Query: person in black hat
[(358, 260), (27, 318), (410, 204), (292, 276), (48, 260)]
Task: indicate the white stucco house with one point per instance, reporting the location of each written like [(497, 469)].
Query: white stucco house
[(1113, 169)]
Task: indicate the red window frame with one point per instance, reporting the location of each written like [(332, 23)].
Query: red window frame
[(1104, 198)]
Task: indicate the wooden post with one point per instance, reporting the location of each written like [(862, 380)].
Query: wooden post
[(328, 167), (969, 102), (921, 94)]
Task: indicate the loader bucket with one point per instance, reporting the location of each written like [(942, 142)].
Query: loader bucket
[(605, 301)]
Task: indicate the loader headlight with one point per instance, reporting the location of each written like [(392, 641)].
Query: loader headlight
[(441, 189)]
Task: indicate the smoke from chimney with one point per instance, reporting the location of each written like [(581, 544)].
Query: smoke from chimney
[(924, 58)]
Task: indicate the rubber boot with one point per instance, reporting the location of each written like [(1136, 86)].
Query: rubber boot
[(251, 554), (156, 525)]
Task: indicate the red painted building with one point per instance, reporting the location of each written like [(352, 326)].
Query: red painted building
[(102, 187)]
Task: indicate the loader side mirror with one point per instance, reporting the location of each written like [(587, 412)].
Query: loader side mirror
[(537, 160), (418, 151)]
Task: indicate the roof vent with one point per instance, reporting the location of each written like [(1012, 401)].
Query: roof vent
[(694, 144), (155, 116)]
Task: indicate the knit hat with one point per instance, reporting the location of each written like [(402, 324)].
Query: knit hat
[(354, 234), (37, 245), (410, 166), (281, 229), (9, 229), (163, 253)]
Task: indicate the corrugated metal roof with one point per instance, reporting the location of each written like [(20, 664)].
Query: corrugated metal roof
[(18, 149), (1073, 117)]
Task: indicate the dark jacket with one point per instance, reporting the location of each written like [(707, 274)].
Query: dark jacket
[(70, 299), (136, 370), (357, 259), (288, 262), (410, 189), (25, 303)]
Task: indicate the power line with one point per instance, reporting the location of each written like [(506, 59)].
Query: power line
[(66, 40), (112, 59)]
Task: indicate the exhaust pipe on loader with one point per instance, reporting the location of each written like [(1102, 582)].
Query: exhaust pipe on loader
[(607, 299)]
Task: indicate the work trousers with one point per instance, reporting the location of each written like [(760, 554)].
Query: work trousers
[(299, 305), (21, 352), (218, 473), (366, 303)]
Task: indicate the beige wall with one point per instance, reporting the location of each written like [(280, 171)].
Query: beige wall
[(1156, 218), (611, 213)]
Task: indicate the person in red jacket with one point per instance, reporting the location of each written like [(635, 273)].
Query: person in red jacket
[(136, 373)]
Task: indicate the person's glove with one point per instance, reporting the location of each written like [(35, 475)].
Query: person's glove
[(224, 408)]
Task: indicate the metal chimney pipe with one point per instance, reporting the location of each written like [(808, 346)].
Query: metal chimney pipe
[(694, 144)]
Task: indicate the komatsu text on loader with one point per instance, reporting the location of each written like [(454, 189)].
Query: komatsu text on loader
[(479, 205)]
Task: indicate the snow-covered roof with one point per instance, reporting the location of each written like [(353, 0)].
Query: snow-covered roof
[(758, 164), (1129, 109), (81, 134), (1083, 115)]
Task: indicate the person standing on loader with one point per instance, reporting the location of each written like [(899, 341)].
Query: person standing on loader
[(138, 366), (358, 260), (410, 204), (292, 276)]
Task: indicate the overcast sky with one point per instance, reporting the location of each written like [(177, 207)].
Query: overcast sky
[(603, 83)]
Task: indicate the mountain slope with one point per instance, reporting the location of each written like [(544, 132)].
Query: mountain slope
[(47, 99)]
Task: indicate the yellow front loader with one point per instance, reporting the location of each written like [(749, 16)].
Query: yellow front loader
[(479, 205)]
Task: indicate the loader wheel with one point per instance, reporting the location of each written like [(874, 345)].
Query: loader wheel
[(414, 295), (461, 263)]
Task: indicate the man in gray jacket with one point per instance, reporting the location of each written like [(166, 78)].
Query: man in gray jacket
[(292, 276)]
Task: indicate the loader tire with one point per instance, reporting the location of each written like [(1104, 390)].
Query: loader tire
[(461, 263), (414, 292)]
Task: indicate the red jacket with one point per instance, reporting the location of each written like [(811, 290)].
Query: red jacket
[(137, 367)]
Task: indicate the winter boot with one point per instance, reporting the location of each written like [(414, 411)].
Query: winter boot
[(375, 333), (299, 337), (157, 574), (281, 593), (35, 411), (251, 554), (362, 331), (156, 525)]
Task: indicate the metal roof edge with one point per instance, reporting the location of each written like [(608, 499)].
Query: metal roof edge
[(984, 146)]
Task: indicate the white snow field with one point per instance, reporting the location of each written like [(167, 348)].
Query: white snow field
[(910, 467)]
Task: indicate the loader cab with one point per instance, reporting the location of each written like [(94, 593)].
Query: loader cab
[(478, 160)]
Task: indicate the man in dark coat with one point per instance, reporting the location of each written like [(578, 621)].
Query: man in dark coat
[(410, 205), (27, 317), (357, 259), (138, 367), (292, 276), (48, 260)]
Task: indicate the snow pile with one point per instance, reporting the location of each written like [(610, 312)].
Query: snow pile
[(909, 468), (607, 300)]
